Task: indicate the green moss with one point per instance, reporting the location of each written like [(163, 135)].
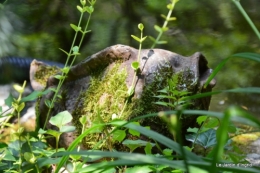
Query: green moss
[(107, 95), (44, 72)]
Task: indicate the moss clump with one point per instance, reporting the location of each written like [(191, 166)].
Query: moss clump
[(105, 96), (44, 72)]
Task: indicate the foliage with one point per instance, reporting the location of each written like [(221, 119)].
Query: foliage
[(30, 153)]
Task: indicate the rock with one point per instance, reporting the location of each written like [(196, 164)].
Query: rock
[(97, 88)]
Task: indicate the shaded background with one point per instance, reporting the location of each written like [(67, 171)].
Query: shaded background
[(30, 28)]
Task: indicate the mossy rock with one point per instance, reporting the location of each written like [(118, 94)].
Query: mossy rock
[(98, 89)]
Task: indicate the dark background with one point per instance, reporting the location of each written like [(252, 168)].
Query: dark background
[(31, 28)]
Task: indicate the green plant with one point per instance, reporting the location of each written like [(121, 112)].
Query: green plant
[(30, 154)]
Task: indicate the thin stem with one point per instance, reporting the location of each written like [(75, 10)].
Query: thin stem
[(165, 23), (241, 9)]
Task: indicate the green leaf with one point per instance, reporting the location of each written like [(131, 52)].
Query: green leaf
[(162, 42), (148, 148), (41, 131), (136, 38), (64, 51), (54, 133), (143, 39), (134, 132), (48, 103), (163, 16), (119, 135), (8, 156), (29, 157), (135, 65), (9, 100), (170, 6), (139, 169), (152, 38), (193, 130), (34, 95), (83, 2), (167, 152), (133, 144), (83, 120), (201, 119), (60, 77), (79, 8), (65, 70), (206, 139), (158, 28), (75, 28), (18, 88), (20, 107), (141, 26), (171, 19), (89, 9), (61, 119), (67, 129)]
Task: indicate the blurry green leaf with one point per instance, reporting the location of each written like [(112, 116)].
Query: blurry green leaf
[(206, 139), (163, 16), (134, 132), (158, 28), (18, 88), (170, 6), (135, 65), (9, 100), (133, 144), (232, 128), (248, 55), (79, 8), (75, 28), (64, 51), (67, 129), (152, 38), (34, 95), (143, 39), (61, 119), (141, 26), (148, 148), (119, 135), (41, 131), (20, 107), (167, 152), (83, 120), (201, 119), (83, 2), (171, 19), (54, 133), (161, 42), (89, 9), (29, 157), (8, 156), (139, 169), (136, 38), (193, 130), (212, 123), (65, 70), (60, 77)]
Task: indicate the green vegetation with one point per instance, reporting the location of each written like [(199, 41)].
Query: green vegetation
[(108, 113)]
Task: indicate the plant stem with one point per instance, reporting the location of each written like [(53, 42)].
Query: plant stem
[(165, 23), (241, 9)]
